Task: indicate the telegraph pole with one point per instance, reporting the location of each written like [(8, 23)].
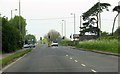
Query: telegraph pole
[(74, 23), (99, 18), (80, 22), (64, 27), (19, 15)]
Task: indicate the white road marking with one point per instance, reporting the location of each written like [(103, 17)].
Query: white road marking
[(70, 57), (76, 61), (83, 65), (12, 63), (66, 55), (93, 70)]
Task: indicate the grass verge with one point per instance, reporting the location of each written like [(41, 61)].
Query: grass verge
[(101, 45), (5, 61)]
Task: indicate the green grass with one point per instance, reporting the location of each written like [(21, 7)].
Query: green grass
[(102, 45), (11, 58), (0, 51)]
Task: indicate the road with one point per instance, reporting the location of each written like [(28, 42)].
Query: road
[(64, 59)]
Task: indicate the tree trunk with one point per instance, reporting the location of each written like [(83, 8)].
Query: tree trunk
[(98, 33), (114, 23)]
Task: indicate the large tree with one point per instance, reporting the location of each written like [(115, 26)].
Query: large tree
[(117, 32), (117, 9), (92, 14), (11, 37), (53, 35), (21, 26)]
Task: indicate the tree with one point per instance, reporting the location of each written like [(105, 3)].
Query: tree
[(117, 32), (104, 33), (92, 14), (53, 35), (22, 26), (10, 36), (89, 26), (117, 9)]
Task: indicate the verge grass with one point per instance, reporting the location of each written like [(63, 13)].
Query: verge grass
[(5, 61), (101, 45)]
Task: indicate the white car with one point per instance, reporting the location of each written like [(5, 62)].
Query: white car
[(54, 44), (26, 46)]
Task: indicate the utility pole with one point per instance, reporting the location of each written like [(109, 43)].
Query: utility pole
[(20, 20), (0, 20), (64, 27), (19, 15), (99, 18), (12, 12), (74, 22), (80, 22)]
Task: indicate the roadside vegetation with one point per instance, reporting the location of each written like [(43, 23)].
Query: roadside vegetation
[(7, 60), (106, 43), (101, 45), (13, 33)]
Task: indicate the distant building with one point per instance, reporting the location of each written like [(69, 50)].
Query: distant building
[(119, 15)]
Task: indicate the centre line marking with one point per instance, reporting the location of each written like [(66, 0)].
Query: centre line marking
[(83, 65), (93, 70), (76, 61), (70, 57)]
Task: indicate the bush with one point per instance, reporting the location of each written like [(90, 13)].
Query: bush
[(109, 38), (69, 43)]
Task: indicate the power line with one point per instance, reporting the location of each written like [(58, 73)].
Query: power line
[(52, 18), (108, 20)]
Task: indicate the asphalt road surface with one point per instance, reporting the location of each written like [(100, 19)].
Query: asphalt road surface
[(64, 59)]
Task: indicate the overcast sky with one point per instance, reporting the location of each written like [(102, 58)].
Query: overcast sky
[(44, 15)]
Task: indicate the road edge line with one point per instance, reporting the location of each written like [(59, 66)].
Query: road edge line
[(3, 69)]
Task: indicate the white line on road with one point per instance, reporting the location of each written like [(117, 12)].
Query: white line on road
[(70, 57), (83, 65), (93, 70), (76, 61), (12, 63)]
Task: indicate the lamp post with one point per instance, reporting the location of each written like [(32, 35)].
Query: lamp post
[(12, 12), (74, 22), (19, 13), (0, 20), (80, 21), (61, 29), (64, 27)]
